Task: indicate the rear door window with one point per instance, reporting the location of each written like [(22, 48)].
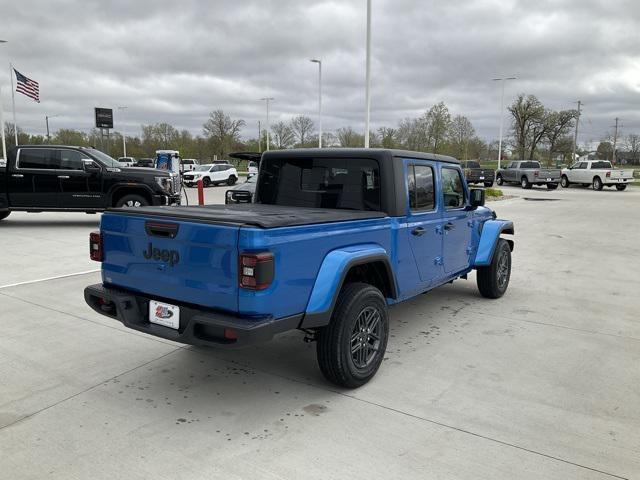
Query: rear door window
[(420, 186), (38, 158)]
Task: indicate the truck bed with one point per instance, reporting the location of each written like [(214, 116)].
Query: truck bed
[(252, 214)]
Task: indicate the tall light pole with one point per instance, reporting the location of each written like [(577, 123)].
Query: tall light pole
[(4, 143), (267, 99), (124, 137), (46, 119), (575, 136), (501, 80), (319, 62), (368, 78)]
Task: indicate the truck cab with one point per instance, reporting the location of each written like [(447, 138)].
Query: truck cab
[(333, 238)]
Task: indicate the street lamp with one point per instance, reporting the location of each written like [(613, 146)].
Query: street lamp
[(319, 62), (124, 137), (46, 119), (267, 99), (368, 77), (2, 139), (501, 80)]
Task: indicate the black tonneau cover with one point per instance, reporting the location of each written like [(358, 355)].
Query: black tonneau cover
[(252, 214)]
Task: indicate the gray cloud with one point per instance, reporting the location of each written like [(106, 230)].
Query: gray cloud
[(176, 61)]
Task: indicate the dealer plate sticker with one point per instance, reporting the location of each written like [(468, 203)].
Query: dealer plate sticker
[(164, 314), (548, 179), (481, 178)]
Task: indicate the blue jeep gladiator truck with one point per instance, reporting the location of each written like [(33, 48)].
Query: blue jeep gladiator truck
[(332, 238)]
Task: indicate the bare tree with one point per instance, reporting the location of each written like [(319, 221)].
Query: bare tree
[(633, 144), (461, 133), (283, 136), (558, 125), (438, 124), (528, 116), (348, 137), (302, 128), (222, 131), (388, 137)]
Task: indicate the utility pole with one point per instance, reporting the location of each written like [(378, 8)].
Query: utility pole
[(615, 141), (575, 135), (259, 138), (46, 119), (124, 136), (319, 62), (501, 80), (267, 99)]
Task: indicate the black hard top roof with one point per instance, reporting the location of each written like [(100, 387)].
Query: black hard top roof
[(377, 153)]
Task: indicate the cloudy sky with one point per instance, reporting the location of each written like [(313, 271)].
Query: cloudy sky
[(175, 61)]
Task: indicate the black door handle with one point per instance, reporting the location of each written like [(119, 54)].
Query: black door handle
[(418, 231), (449, 226)]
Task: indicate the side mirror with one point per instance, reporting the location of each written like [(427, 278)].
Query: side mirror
[(238, 196), (90, 166), (476, 198)]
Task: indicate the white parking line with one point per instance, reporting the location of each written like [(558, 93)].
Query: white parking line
[(49, 278)]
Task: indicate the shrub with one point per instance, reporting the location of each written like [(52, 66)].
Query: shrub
[(493, 192)]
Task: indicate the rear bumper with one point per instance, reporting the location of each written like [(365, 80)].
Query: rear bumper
[(197, 326)]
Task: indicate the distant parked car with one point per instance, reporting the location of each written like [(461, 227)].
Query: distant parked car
[(597, 173), (211, 174), (474, 173), (127, 161), (248, 186), (188, 164), (145, 162), (252, 169), (528, 173)]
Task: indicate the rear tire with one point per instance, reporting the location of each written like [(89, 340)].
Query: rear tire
[(524, 183), (618, 187), (488, 184), (351, 348), (552, 186), (493, 279), (4, 215), (132, 201), (597, 183), (499, 180), (564, 181)]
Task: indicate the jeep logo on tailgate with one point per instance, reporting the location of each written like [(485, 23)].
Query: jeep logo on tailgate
[(168, 256)]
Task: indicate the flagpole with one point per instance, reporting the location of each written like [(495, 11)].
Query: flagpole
[(13, 102), (4, 143)]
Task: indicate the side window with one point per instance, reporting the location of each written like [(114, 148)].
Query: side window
[(40, 158), (420, 187), (582, 165), (452, 188), (71, 160), (513, 165)]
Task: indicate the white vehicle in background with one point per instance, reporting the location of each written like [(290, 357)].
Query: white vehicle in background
[(127, 161), (597, 173), (252, 169), (188, 164), (211, 174)]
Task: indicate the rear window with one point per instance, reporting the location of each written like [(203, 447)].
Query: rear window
[(530, 165), (40, 158), (349, 184), (472, 165), (601, 165)]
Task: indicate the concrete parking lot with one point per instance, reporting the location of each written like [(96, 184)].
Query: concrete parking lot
[(543, 383)]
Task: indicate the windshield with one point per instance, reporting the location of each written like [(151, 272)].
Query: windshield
[(321, 183), (202, 168), (104, 158)]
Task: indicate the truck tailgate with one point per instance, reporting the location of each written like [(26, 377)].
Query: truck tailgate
[(549, 173), (616, 174), (190, 262)]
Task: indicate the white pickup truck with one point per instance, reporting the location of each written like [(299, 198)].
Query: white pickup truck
[(597, 173)]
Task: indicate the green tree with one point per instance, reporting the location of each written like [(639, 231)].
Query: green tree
[(528, 115)]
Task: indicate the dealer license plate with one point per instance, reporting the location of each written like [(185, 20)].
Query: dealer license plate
[(620, 180), (164, 314), (548, 179), (481, 178)]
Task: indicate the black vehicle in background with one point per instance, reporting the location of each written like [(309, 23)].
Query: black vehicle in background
[(63, 178), (474, 173), (145, 162)]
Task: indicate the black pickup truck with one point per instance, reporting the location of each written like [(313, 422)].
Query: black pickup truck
[(40, 178), (474, 173)]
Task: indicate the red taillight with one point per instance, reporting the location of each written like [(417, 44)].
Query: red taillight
[(95, 246), (535, 174), (608, 174), (255, 270)]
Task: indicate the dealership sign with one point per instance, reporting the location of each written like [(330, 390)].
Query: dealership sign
[(104, 117)]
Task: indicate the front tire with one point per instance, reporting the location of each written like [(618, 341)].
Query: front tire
[(4, 215), (493, 279), (524, 183), (564, 181), (552, 186), (206, 181), (499, 180), (231, 180), (351, 348), (597, 183), (132, 201), (620, 188), (488, 184)]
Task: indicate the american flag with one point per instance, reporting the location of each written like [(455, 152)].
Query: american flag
[(27, 86)]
